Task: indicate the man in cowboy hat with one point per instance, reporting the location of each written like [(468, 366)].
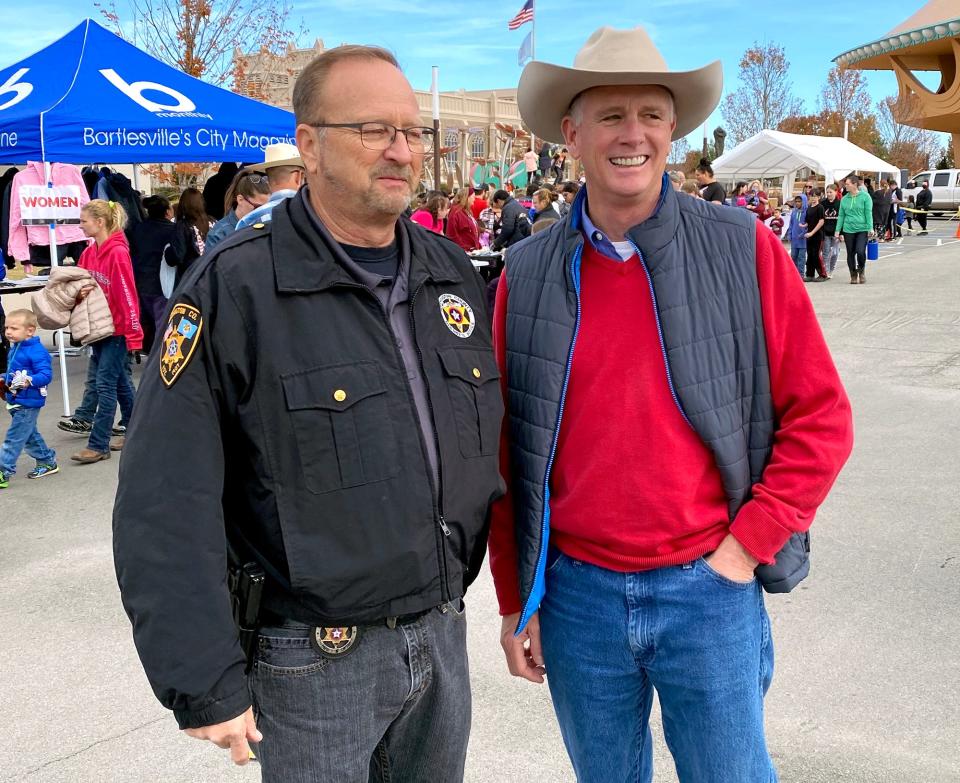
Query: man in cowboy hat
[(286, 175), (703, 422)]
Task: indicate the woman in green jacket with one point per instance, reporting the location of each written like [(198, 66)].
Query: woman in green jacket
[(854, 222)]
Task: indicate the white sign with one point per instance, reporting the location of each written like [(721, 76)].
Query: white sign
[(40, 205)]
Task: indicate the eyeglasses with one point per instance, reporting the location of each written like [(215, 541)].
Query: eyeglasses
[(255, 178), (380, 135)]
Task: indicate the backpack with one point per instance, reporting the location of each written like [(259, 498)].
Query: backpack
[(522, 224)]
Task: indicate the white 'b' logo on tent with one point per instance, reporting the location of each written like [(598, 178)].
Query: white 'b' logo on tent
[(20, 89), (135, 92)]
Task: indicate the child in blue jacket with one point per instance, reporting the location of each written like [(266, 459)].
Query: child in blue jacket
[(24, 387), (798, 234)]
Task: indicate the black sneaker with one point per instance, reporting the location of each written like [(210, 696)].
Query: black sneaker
[(119, 431), (75, 425)]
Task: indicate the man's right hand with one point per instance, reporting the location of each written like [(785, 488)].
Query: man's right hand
[(233, 734), (524, 655)]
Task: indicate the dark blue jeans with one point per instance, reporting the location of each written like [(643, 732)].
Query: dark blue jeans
[(701, 640), (395, 708), (23, 435), (112, 384), (87, 408)]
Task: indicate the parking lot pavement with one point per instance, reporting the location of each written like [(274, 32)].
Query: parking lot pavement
[(941, 232), (867, 686)]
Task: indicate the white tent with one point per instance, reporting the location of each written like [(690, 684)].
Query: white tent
[(772, 154)]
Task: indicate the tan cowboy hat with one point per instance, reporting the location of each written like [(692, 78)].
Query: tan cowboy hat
[(280, 155), (614, 57)]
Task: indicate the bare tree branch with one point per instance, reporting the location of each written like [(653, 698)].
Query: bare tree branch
[(845, 92), (199, 36), (765, 96)]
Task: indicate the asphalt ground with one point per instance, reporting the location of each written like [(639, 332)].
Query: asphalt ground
[(867, 683)]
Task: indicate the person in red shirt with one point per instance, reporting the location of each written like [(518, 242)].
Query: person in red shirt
[(624, 554), (461, 224), (107, 259), (479, 202)]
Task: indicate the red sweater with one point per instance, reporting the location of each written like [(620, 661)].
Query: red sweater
[(462, 228), (111, 267), (633, 487)]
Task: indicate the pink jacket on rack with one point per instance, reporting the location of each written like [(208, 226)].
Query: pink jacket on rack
[(21, 236)]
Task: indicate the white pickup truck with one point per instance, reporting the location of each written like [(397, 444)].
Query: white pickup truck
[(945, 185)]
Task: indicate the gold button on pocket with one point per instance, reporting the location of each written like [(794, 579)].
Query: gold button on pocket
[(476, 372), (339, 395)]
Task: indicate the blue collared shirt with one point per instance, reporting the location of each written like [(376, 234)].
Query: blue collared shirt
[(600, 241), (263, 214)]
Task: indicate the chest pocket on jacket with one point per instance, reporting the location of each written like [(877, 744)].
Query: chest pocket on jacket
[(341, 422), (475, 398)]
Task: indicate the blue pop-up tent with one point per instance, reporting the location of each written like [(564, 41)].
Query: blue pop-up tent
[(92, 97)]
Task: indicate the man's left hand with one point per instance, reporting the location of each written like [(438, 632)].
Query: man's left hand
[(731, 560)]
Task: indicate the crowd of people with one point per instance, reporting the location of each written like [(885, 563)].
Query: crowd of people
[(492, 218), (819, 219)]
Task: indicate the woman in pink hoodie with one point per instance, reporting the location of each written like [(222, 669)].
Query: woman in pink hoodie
[(432, 214), (107, 259)]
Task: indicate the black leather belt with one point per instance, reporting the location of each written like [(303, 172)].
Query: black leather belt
[(270, 618), (402, 619)]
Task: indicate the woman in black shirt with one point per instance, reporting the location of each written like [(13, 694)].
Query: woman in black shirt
[(710, 189)]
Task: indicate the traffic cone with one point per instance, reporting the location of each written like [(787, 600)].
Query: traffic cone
[(957, 235)]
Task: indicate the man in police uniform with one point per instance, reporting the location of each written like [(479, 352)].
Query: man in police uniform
[(326, 400)]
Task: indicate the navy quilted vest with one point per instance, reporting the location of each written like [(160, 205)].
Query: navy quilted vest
[(701, 261)]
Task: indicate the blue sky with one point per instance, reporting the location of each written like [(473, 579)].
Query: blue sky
[(471, 44)]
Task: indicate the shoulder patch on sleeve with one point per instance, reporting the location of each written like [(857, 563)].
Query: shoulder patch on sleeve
[(180, 340)]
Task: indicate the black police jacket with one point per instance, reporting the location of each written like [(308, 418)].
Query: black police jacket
[(278, 411)]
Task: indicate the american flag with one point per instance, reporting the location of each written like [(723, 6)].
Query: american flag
[(523, 16)]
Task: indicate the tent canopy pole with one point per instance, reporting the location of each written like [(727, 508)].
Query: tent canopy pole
[(54, 262)]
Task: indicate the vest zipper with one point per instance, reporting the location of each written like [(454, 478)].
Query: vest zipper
[(528, 608), (436, 486), (663, 347)]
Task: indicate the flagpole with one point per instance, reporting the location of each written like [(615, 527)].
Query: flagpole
[(533, 31), (435, 92), (533, 56)]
